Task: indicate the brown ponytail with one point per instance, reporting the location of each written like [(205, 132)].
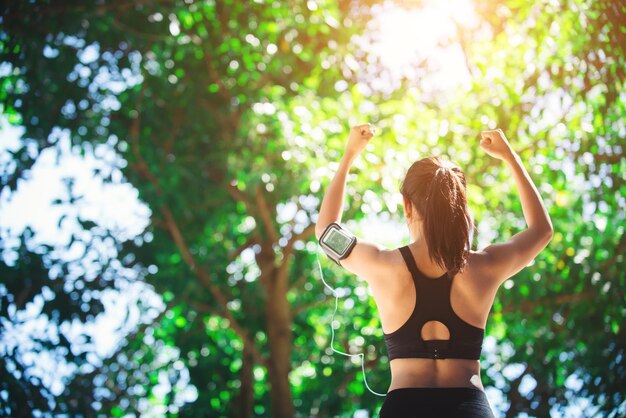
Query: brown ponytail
[(437, 190)]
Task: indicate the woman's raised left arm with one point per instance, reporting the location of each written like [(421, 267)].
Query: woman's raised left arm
[(332, 204), (367, 259)]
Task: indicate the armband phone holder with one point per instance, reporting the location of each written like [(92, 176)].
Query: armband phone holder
[(337, 242)]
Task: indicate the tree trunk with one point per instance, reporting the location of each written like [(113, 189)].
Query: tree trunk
[(280, 345), (246, 392)]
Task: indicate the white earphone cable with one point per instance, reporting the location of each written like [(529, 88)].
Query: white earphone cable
[(332, 328)]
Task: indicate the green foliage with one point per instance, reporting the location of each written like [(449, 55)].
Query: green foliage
[(60, 293), (230, 124)]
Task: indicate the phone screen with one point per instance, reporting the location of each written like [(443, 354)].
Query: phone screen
[(337, 241)]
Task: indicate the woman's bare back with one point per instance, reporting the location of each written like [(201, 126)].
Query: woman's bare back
[(470, 299)]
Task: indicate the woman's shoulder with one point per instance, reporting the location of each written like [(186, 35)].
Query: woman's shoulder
[(477, 271), (476, 265), (478, 261), (473, 265), (392, 257)]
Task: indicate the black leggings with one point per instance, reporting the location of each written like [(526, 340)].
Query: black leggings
[(436, 402)]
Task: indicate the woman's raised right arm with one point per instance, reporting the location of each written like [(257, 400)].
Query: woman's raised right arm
[(503, 260), (533, 208)]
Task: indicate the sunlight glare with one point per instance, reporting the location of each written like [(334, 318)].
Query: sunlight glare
[(401, 38)]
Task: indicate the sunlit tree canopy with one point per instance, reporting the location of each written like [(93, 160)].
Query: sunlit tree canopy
[(162, 164)]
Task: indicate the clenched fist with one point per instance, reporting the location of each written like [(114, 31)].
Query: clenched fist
[(495, 144), (360, 136)]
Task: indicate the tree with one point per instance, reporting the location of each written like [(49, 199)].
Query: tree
[(175, 85), (229, 116)]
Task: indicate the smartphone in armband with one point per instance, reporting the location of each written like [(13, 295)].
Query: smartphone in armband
[(337, 242)]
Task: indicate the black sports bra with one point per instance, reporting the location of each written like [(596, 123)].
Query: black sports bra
[(432, 303)]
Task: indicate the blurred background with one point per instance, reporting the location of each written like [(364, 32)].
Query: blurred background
[(162, 163)]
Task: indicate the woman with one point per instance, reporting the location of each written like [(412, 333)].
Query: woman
[(434, 295)]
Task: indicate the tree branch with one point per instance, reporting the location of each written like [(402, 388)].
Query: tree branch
[(550, 300), (283, 270), (266, 215), (238, 196), (308, 232), (128, 29), (176, 124), (183, 248), (306, 306), (619, 250), (84, 9), (298, 282), (215, 77), (464, 48), (252, 240)]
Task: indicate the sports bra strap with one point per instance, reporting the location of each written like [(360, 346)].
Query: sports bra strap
[(410, 261), (418, 276)]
